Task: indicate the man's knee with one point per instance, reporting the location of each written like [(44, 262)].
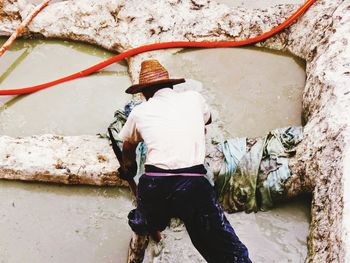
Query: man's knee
[(143, 224), (138, 222)]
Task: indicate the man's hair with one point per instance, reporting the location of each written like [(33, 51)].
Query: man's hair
[(154, 89)]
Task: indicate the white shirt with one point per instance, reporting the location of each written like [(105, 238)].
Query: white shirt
[(172, 126)]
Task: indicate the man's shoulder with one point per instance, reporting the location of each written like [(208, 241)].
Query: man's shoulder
[(138, 109), (190, 93)]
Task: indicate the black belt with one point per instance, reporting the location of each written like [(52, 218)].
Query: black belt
[(196, 169)]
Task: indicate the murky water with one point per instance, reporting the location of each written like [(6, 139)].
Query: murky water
[(279, 235), (254, 92), (83, 106), (51, 223)]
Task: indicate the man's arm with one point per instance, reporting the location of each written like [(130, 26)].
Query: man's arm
[(129, 166), (131, 138)]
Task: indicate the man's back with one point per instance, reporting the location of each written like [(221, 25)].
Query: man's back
[(172, 126)]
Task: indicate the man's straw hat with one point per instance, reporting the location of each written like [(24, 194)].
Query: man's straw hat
[(152, 74)]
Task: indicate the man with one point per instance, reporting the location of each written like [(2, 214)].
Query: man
[(172, 125)]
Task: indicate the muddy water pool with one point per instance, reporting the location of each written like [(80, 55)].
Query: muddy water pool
[(253, 92), (51, 223), (83, 106)]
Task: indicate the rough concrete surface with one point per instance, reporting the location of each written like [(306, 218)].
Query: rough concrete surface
[(57, 159), (321, 37)]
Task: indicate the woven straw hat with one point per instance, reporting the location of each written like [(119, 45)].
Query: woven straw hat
[(152, 74)]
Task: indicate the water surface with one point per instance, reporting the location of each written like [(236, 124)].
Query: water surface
[(55, 223), (253, 90), (82, 106)]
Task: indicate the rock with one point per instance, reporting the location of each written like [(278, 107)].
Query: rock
[(57, 159)]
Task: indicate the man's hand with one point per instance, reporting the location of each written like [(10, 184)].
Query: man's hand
[(128, 165), (127, 173)]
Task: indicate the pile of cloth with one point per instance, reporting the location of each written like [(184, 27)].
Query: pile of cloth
[(255, 171)]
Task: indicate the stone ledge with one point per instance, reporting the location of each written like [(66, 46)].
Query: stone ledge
[(57, 159)]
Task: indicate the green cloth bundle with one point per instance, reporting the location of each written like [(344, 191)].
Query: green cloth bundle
[(254, 172)]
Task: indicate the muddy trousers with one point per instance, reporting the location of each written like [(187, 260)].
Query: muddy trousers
[(192, 199)]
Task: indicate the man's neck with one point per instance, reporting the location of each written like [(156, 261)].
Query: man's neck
[(149, 94), (161, 91)]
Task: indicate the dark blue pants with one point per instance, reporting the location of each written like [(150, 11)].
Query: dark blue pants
[(192, 199)]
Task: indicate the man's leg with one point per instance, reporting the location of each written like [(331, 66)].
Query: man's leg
[(216, 240), (149, 216), (209, 230)]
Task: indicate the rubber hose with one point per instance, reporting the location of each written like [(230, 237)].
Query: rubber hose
[(164, 45)]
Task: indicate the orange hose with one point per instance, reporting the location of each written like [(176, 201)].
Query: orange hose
[(164, 45)]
